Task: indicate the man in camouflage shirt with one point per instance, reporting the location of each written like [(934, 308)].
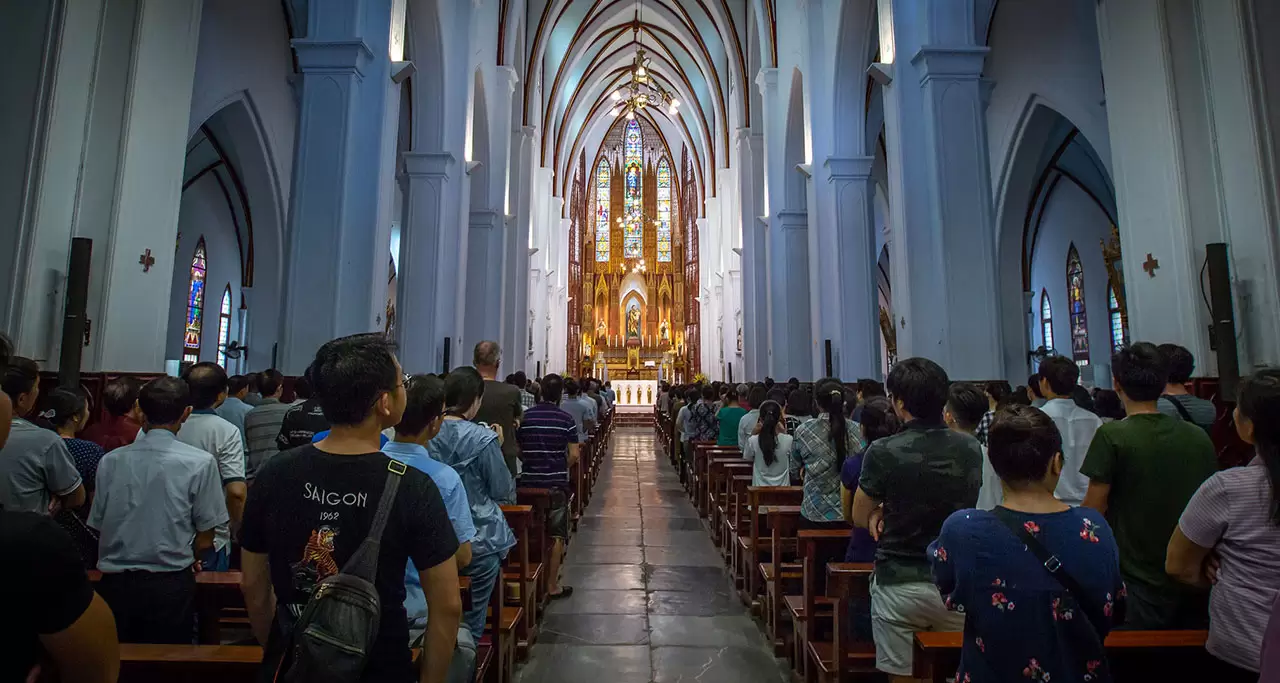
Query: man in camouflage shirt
[(911, 482)]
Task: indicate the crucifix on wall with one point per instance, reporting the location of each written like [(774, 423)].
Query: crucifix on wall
[(146, 260), (1150, 265)]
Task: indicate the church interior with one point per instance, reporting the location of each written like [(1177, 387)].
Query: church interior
[(641, 191)]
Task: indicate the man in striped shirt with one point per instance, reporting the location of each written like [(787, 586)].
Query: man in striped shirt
[(549, 447)]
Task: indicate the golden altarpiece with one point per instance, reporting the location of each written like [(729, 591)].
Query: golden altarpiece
[(633, 237)]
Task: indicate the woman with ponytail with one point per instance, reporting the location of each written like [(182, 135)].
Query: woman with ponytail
[(770, 449), (821, 446), (1229, 536), (67, 412)]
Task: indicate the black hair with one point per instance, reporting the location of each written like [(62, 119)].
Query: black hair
[(692, 395), (461, 389), (163, 400), (776, 394), (61, 406), (510, 379), (1107, 404), (831, 400), (207, 381), (6, 351), (879, 419), (794, 381), (869, 388), (731, 397), (1259, 401), (20, 377), (757, 396), (768, 383), (269, 381), (551, 388), (349, 375), (967, 403), (254, 379), (424, 402), (998, 389), (120, 395), (1140, 371), (1021, 444), (770, 415), (1033, 383), (236, 384), (921, 385), (1017, 397), (1062, 374), (1179, 362), (709, 393), (302, 388), (520, 379), (1082, 398), (799, 403), (571, 387)]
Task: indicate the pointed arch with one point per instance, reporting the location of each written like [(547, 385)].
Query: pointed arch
[(1046, 319), (224, 325), (1076, 309), (195, 303), (664, 211), (603, 182), (633, 199)]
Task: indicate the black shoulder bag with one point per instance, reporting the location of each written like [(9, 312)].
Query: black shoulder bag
[(1182, 410)]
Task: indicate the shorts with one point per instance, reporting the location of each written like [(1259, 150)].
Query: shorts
[(558, 515), (898, 611)]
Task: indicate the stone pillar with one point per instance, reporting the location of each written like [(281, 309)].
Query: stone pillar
[(515, 297), (755, 334), (338, 253), (428, 262), (856, 351), (485, 267), (789, 300)]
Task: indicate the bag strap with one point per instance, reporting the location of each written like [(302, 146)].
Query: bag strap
[(364, 562), (1177, 405), (1051, 564)]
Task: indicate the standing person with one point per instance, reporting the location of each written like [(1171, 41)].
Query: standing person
[(1235, 516), (684, 427), (1021, 620), (303, 420), (966, 404), (66, 412), (501, 404), (214, 435), (1142, 471), (313, 506), (1108, 406), (729, 418), (593, 392), (473, 451), (769, 451), (702, 417), (37, 473), (301, 390), (1058, 381), (1176, 401), (549, 442), (234, 408), (254, 394), (821, 447), (262, 424), (520, 381), (878, 422), (747, 425), (120, 425), (610, 396), (664, 397), (157, 504), (583, 410), (996, 392), (1036, 398), (911, 482), (799, 409)]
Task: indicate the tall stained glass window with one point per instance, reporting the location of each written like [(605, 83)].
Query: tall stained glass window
[(664, 211), (1046, 319), (195, 305), (633, 165), (1118, 332), (1075, 306), (224, 326), (602, 211)]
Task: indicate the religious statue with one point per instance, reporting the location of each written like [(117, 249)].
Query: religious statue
[(602, 330), (633, 322), (664, 331), (739, 338)]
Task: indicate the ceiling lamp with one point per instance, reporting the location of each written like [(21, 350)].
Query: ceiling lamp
[(641, 91)]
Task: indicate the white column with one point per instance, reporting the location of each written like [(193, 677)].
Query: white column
[(428, 262), (750, 166), (856, 344), (515, 298)]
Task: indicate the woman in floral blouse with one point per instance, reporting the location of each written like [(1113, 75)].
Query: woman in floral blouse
[(1021, 622)]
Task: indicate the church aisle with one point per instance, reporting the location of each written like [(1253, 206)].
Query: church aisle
[(652, 601)]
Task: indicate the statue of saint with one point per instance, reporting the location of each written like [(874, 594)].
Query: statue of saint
[(633, 322), (602, 330), (664, 331)]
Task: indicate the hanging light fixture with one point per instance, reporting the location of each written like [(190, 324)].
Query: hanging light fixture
[(641, 91)]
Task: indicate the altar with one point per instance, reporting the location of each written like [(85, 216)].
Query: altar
[(635, 392)]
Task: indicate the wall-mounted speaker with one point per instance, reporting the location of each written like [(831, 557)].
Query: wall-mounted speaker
[(1223, 328), (74, 321), (448, 346)]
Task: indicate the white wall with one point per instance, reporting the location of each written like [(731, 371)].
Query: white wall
[(204, 213)]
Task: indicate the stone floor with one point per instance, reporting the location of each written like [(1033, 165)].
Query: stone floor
[(652, 601)]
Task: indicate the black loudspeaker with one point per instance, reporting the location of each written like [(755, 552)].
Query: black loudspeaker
[(537, 373), (73, 317), (1224, 319), (448, 346), (829, 366), (730, 373)]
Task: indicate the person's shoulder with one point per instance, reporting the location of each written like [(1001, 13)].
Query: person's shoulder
[(283, 462), (185, 452), (21, 531), (966, 522)]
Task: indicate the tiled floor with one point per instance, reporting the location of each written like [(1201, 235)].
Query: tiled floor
[(652, 601)]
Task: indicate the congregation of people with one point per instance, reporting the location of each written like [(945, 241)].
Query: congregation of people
[(190, 474), (1034, 519)]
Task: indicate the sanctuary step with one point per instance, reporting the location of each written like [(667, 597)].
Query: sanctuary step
[(635, 416)]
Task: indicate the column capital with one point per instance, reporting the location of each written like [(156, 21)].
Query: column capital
[(486, 220), (428, 164), (767, 79), (509, 75), (950, 61), (527, 132), (330, 56), (849, 168), (793, 220)]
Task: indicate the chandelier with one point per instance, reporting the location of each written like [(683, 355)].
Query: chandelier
[(641, 91)]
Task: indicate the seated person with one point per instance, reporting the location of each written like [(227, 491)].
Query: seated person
[(729, 418), (1021, 620), (153, 497)]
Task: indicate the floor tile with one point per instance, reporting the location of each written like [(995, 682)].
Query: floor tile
[(683, 557), (716, 665), (594, 629), (585, 601), (603, 577), (706, 603), (713, 631), (584, 664), (686, 579), (604, 554)]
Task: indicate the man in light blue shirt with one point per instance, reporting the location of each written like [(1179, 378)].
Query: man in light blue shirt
[(423, 415), (582, 409), (234, 408)]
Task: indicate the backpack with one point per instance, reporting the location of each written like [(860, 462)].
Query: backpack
[(702, 416), (332, 638)]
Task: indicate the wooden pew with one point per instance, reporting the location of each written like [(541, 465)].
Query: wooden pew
[(735, 522), (758, 539), (539, 500), (696, 467), (781, 573), (812, 610), (722, 468), (937, 654), (189, 663), (847, 582), (515, 627), (713, 455)]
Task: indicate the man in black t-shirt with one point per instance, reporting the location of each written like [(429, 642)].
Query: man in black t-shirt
[(311, 507)]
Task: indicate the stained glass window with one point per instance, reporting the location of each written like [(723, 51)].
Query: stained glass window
[(1075, 306), (602, 211), (195, 305), (1046, 319), (1118, 332), (633, 212), (224, 326), (664, 211)]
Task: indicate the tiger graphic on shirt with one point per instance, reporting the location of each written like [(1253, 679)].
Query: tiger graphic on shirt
[(317, 561)]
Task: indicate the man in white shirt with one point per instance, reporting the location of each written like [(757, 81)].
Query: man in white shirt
[(205, 430), (1058, 377)]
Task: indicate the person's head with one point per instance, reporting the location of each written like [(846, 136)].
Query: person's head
[(238, 386), (1107, 405), (1081, 397), (692, 395), (997, 390), (757, 396), (918, 389), (520, 379), (709, 393), (271, 383), (302, 388), (879, 419), (593, 387), (423, 409), (1020, 396), (487, 357), (1257, 419), (254, 380), (571, 388), (1025, 449), (21, 383), (1179, 362), (208, 383), (551, 388), (1033, 387), (723, 390), (120, 398), (794, 382), (1139, 373), (966, 404), (776, 394), (358, 381), (744, 392), (165, 403), (799, 403), (768, 383), (730, 396), (770, 426), (463, 389), (608, 385), (65, 411), (830, 396), (1059, 376), (868, 388)]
